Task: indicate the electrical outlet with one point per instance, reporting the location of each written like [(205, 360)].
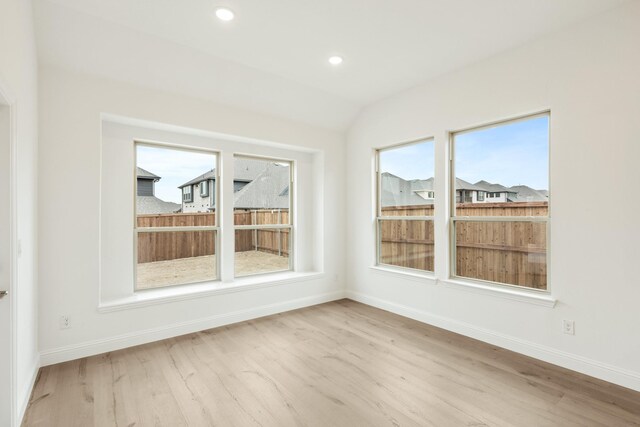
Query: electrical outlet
[(65, 322), (569, 327)]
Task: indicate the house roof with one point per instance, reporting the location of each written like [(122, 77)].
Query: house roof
[(422, 184), (244, 170), (145, 174), (269, 190), (247, 169), (396, 191), (153, 205), (205, 176), (528, 194), (492, 188), (461, 184)]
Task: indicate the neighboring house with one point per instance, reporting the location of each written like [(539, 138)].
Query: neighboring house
[(146, 200), (199, 194), (269, 190), (395, 191), (257, 184), (495, 193), (525, 193), (469, 193), (423, 188)]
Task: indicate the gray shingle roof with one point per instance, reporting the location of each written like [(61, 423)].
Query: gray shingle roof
[(269, 190), (461, 184), (207, 175), (244, 170), (422, 184), (145, 174), (492, 188), (153, 205), (396, 191), (528, 194), (247, 169)]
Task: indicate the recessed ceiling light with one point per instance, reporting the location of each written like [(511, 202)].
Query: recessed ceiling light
[(225, 14), (335, 60)]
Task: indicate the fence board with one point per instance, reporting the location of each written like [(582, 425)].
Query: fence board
[(508, 252), (175, 245)]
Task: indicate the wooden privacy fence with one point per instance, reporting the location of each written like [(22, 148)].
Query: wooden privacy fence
[(164, 246), (506, 252), (275, 241)]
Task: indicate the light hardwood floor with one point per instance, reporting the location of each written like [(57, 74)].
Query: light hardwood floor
[(336, 364)]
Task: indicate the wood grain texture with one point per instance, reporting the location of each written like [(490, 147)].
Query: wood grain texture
[(336, 364), (506, 252), (165, 246)]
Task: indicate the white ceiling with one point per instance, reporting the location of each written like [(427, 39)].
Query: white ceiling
[(273, 57)]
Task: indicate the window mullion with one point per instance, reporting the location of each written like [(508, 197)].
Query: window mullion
[(405, 241), (513, 249), (501, 218), (407, 218), (263, 227), (176, 229)]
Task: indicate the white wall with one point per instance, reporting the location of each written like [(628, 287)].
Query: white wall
[(18, 73), (71, 105), (588, 76)]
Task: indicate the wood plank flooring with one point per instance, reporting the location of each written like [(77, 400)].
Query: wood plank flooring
[(336, 364)]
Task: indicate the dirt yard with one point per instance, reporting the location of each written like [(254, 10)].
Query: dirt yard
[(203, 268)]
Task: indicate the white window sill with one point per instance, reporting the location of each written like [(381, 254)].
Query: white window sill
[(405, 273), (531, 297), (201, 290)]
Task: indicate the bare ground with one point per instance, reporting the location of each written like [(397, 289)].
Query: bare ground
[(199, 269)]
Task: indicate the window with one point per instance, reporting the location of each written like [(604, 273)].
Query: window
[(404, 220), (187, 196), (505, 242), (174, 244), (262, 215), (481, 196), (204, 189)]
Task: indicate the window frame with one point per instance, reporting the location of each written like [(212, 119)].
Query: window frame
[(379, 218), (216, 228), (453, 217), (204, 184), (189, 193), (289, 226)]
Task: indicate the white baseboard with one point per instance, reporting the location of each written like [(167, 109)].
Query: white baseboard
[(574, 362), (90, 348), (25, 395)]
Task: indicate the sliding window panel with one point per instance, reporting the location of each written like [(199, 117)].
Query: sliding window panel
[(406, 180), (171, 258), (503, 169), (262, 250), (507, 252), (406, 243), (175, 187)]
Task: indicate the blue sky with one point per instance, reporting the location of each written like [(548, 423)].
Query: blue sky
[(413, 161), (512, 154), (174, 166)]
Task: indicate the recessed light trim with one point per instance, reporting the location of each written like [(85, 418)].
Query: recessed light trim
[(224, 14), (336, 60)]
